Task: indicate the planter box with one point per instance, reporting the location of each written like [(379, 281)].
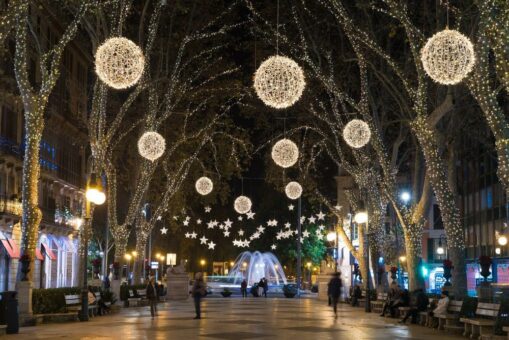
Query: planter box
[(290, 295)]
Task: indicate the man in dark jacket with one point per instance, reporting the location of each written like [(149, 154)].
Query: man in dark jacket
[(152, 297), (243, 288), (334, 290), (418, 303)]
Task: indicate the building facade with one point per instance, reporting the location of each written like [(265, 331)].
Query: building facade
[(62, 161)]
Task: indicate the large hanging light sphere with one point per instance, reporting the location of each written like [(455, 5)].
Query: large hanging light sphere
[(448, 57), (151, 145), (119, 63), (242, 204), (279, 82), (285, 153), (293, 190), (204, 186), (356, 133)]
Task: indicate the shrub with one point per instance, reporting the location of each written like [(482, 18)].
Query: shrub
[(52, 300)]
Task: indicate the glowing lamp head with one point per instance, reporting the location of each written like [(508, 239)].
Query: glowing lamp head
[(405, 196), (331, 236), (402, 258), (135, 253), (502, 240), (127, 257), (440, 250), (498, 251), (361, 217)]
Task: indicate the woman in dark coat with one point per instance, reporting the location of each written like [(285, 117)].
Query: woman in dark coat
[(198, 292), (334, 290)]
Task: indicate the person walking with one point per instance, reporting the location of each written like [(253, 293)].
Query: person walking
[(198, 292), (243, 288), (152, 296), (334, 291), (265, 286), (260, 287)]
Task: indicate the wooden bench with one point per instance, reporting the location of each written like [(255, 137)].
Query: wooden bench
[(506, 329), (377, 306), (450, 321), (73, 304), (482, 324), (402, 311), (133, 300)]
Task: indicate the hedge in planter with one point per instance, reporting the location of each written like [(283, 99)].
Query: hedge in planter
[(51, 300)]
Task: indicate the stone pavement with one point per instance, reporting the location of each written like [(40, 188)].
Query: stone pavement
[(236, 319)]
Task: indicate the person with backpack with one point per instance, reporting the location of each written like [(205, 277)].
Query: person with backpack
[(198, 292), (334, 291)]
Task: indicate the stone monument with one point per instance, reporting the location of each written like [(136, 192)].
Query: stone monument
[(177, 282)]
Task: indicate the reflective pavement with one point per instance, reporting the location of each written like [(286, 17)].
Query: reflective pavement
[(236, 318)]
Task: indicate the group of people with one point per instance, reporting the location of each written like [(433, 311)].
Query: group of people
[(397, 297), (263, 287)]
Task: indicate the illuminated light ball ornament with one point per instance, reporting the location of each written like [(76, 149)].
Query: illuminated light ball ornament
[(204, 185), (242, 204), (293, 190), (356, 133), (119, 63), (151, 145), (279, 82), (448, 57), (285, 153)]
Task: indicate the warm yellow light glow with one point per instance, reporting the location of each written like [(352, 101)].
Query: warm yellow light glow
[(502, 240), (308, 264), (158, 255), (202, 262), (331, 236), (402, 258), (244, 264), (361, 217), (135, 253), (127, 257), (231, 263)]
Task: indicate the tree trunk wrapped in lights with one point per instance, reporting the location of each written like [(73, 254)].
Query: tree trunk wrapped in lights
[(34, 103)]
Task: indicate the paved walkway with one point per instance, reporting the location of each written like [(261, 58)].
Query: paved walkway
[(236, 319)]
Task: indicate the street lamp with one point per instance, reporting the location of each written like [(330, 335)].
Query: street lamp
[(362, 217), (405, 196), (331, 236), (440, 249), (502, 240), (94, 194), (202, 263)]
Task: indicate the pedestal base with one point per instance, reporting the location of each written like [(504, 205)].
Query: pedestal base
[(178, 287), (115, 288), (26, 315)]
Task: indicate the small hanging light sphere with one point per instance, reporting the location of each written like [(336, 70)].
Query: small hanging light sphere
[(119, 63), (151, 145), (242, 204), (293, 190), (448, 57), (279, 82), (356, 133), (285, 153), (204, 185)]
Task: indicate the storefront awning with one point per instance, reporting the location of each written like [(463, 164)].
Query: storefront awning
[(48, 251), (38, 254), (12, 248)]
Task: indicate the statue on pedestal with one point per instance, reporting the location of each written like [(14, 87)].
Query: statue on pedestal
[(177, 282)]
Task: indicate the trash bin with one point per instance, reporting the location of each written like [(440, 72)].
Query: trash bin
[(9, 314)]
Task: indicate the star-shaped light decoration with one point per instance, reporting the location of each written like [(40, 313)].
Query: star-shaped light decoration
[(226, 233), (228, 223), (302, 219), (312, 219), (194, 235), (188, 218), (320, 216), (203, 240), (261, 229), (318, 233), (305, 233), (186, 223), (291, 207), (240, 218), (187, 235), (272, 223), (236, 242), (256, 235), (241, 232), (159, 217), (321, 227), (288, 225), (175, 217), (210, 225), (198, 221), (250, 215), (164, 230), (221, 226), (338, 207), (208, 209), (278, 236), (273, 247), (211, 245)]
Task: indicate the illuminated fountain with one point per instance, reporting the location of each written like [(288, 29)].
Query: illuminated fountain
[(253, 266)]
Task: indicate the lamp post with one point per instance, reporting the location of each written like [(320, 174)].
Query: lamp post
[(362, 217), (299, 246), (128, 258), (95, 195), (332, 236)]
